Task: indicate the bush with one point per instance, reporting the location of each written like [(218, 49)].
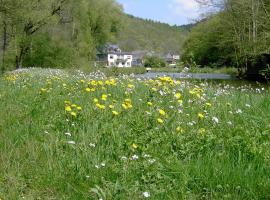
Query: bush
[(154, 62), (46, 53)]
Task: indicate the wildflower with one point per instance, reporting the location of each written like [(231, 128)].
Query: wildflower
[(115, 113), (134, 146), (103, 164), (68, 108), (160, 121), (68, 134), (71, 142), (73, 114), (100, 106), (79, 108), (92, 145), (104, 97), (151, 161), (178, 95), (73, 105), (229, 123), (201, 130), (146, 194), (149, 103), (247, 105), (201, 116), (88, 90), (95, 100), (208, 104), (134, 157), (162, 112), (215, 120), (111, 106), (82, 81), (131, 86), (239, 111), (127, 104), (179, 129), (180, 101)]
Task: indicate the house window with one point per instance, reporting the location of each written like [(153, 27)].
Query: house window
[(111, 56)]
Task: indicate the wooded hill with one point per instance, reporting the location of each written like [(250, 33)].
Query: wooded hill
[(238, 35), (66, 33), (143, 34)]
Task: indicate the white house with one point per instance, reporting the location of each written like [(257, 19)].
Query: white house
[(112, 56), (119, 59)]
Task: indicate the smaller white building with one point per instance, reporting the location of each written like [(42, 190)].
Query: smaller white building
[(119, 59)]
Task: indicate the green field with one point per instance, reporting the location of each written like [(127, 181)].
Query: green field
[(77, 136)]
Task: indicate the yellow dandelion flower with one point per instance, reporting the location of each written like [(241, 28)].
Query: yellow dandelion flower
[(179, 129), (131, 86), (68, 108), (95, 100), (201, 116), (100, 106), (73, 105), (162, 112), (73, 114), (134, 146), (180, 101), (208, 104), (79, 108), (88, 90), (149, 103), (124, 106), (115, 113), (178, 95), (104, 97), (111, 106), (160, 121), (82, 81)]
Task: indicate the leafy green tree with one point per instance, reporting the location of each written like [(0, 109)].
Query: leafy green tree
[(154, 62)]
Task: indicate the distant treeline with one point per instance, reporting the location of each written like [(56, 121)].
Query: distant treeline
[(237, 35)]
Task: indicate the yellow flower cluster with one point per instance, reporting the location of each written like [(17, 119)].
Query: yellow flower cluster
[(72, 109), (127, 104)]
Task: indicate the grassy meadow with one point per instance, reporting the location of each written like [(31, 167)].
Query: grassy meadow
[(85, 136)]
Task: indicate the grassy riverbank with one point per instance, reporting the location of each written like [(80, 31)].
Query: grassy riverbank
[(84, 136), (222, 70)]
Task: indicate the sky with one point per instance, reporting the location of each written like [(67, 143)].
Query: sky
[(173, 12)]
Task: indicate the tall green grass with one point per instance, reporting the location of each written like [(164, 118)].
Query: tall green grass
[(48, 154)]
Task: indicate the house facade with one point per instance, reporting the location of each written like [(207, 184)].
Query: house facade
[(171, 59), (114, 57), (119, 59)]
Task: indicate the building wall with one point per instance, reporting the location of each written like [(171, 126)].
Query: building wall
[(119, 60)]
